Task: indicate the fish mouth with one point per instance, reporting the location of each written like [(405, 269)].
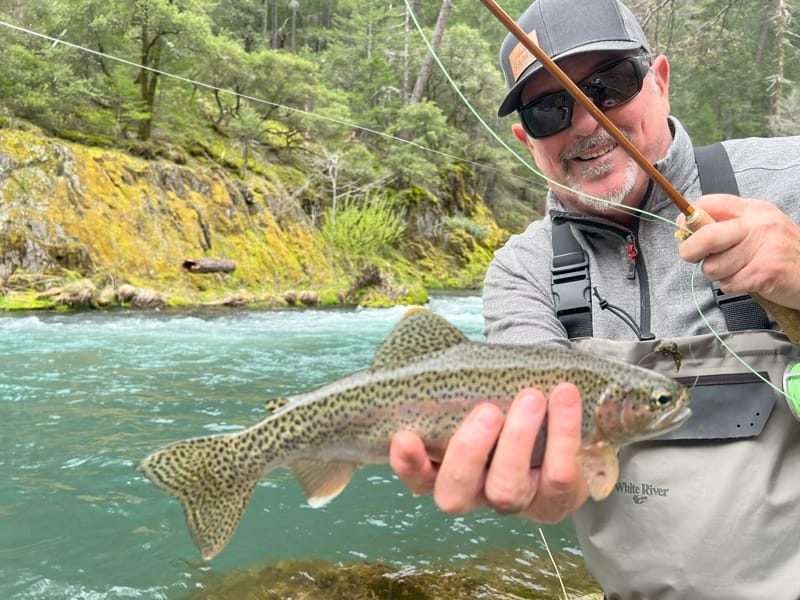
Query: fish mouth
[(670, 421)]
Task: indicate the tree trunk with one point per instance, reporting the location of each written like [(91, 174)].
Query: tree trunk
[(781, 18), (293, 6), (265, 21), (406, 35), (427, 63), (148, 82), (274, 25)]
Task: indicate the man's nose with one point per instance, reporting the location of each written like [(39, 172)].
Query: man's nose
[(583, 123)]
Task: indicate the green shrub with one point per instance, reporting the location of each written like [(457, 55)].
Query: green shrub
[(365, 228)]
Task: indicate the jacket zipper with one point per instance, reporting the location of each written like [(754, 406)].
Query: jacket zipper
[(632, 252), (636, 265)]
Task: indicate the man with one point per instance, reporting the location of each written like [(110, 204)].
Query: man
[(711, 516)]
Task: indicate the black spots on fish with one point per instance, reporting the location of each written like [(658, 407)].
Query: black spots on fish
[(158, 476), (429, 381), (212, 477), (274, 404), (418, 333)]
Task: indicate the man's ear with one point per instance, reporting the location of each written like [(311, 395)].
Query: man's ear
[(520, 133), (660, 68)]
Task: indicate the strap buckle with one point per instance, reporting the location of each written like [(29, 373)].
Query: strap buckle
[(571, 284)]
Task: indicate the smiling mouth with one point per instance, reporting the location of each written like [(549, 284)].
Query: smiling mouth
[(596, 153)]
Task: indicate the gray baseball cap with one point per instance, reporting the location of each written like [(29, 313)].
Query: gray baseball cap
[(564, 28)]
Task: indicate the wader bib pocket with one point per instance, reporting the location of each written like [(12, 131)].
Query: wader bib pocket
[(729, 401), (725, 406), (723, 488)]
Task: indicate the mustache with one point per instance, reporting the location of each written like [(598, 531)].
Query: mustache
[(583, 145)]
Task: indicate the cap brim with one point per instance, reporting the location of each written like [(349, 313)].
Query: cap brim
[(512, 100)]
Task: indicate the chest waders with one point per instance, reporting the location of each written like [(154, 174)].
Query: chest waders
[(728, 477)]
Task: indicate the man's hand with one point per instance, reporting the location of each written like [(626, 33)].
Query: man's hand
[(463, 482), (751, 247)]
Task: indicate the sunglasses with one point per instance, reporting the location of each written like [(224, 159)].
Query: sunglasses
[(609, 87)]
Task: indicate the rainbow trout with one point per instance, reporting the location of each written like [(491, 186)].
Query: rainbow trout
[(425, 377)]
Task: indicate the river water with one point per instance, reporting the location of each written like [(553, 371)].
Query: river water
[(84, 396)]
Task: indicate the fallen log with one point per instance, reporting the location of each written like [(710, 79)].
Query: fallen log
[(209, 265)]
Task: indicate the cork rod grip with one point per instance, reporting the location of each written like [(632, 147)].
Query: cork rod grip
[(787, 318)]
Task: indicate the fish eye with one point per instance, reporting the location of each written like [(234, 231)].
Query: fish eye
[(661, 398)]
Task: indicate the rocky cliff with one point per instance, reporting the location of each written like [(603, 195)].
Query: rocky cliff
[(82, 225)]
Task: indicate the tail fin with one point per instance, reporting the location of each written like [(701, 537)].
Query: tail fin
[(210, 481)]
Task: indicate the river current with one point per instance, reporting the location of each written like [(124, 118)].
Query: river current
[(84, 396)]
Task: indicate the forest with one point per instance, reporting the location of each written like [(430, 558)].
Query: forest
[(342, 103)]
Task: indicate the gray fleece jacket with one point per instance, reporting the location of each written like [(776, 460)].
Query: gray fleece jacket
[(698, 518), (518, 301)]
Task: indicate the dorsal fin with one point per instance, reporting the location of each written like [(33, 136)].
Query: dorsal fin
[(419, 332), (273, 404)]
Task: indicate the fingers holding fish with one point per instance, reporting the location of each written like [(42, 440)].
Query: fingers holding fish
[(487, 462), (462, 475), (410, 461), (546, 492), (511, 483), (562, 488)]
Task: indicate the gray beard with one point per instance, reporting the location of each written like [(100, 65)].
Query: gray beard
[(609, 201)]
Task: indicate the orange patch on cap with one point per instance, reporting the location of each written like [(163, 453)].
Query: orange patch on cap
[(520, 58)]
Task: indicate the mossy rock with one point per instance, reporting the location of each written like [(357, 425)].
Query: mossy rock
[(308, 579)]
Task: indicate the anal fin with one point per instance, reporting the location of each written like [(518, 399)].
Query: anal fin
[(322, 481)]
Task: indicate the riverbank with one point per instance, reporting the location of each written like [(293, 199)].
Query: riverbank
[(373, 290), (90, 227)]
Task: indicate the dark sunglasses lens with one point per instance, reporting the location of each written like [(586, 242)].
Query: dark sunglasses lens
[(547, 115), (609, 87), (614, 85)]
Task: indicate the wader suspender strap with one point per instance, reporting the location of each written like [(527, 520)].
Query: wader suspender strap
[(716, 177), (571, 283)]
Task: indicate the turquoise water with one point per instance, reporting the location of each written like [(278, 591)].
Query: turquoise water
[(85, 396)]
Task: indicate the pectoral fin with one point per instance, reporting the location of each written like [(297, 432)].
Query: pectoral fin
[(322, 481), (600, 468)]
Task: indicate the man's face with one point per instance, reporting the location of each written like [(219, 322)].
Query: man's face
[(585, 157)]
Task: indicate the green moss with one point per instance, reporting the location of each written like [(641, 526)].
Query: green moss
[(25, 301), (413, 295), (177, 302), (107, 216), (330, 297), (86, 139), (374, 298)]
